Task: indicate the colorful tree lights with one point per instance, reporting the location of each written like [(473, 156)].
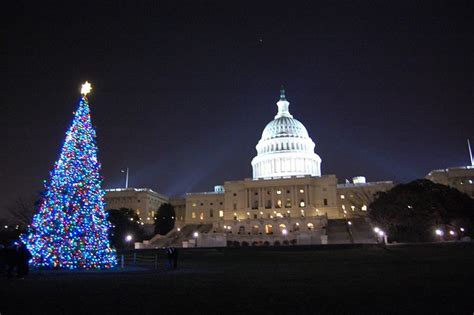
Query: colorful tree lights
[(71, 228)]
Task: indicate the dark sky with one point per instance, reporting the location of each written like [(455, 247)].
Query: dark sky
[(183, 90)]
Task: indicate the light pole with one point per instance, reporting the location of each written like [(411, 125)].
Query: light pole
[(128, 239), (126, 177), (195, 235)]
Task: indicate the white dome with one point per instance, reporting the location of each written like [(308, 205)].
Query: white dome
[(284, 127), (285, 148)]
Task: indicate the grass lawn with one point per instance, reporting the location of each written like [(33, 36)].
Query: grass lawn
[(416, 279)]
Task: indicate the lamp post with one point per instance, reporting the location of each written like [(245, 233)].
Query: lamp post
[(128, 239), (440, 233), (195, 235)]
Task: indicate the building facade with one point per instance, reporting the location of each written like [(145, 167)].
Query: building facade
[(145, 202), (461, 178)]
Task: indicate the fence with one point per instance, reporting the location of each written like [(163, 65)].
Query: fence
[(144, 260)]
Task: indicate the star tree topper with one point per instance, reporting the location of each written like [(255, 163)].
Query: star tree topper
[(86, 88)]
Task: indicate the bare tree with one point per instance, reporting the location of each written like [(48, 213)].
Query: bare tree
[(21, 211)]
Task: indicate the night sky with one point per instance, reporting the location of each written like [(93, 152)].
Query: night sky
[(183, 90)]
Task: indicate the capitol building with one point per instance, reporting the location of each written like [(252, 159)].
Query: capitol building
[(287, 201)]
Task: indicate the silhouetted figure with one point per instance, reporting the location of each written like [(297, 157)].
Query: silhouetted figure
[(169, 252), (175, 257), (23, 257), (10, 255), (2, 259)]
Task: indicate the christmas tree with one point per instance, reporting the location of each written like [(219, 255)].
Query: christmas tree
[(71, 228)]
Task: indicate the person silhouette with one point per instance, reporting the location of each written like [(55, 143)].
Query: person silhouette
[(175, 257), (23, 258)]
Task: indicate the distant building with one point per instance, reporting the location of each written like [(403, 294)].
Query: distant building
[(145, 202), (461, 178)]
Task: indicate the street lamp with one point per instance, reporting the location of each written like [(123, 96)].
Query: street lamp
[(195, 235), (128, 239)]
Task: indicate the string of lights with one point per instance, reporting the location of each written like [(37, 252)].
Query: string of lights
[(71, 227)]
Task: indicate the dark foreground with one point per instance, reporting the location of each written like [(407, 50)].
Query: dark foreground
[(418, 279)]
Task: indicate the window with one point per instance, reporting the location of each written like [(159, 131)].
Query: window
[(235, 206), (211, 203), (235, 216), (302, 212), (301, 191), (310, 226), (302, 204), (342, 196), (256, 194), (194, 204), (211, 213), (268, 229), (193, 215), (220, 203), (235, 194), (279, 203), (201, 216), (288, 203), (287, 191), (221, 214), (278, 192), (325, 202), (364, 208), (202, 204)]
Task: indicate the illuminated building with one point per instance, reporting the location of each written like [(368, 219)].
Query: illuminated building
[(287, 201)]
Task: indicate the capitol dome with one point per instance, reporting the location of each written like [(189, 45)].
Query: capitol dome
[(285, 148)]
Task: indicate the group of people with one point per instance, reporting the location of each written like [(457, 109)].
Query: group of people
[(15, 258), (172, 253)]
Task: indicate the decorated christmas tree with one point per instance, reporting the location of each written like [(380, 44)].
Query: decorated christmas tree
[(71, 228)]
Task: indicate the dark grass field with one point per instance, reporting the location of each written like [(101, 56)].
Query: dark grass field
[(416, 279)]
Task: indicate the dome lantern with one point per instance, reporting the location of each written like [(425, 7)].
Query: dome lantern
[(283, 105)]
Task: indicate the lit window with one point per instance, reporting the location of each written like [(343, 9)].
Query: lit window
[(193, 215), (310, 226), (343, 207), (201, 216), (221, 214), (364, 208), (278, 192), (279, 203), (301, 191), (353, 208), (302, 204), (342, 197), (268, 229), (194, 204)]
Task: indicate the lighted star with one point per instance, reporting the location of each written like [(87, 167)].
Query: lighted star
[(86, 88)]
